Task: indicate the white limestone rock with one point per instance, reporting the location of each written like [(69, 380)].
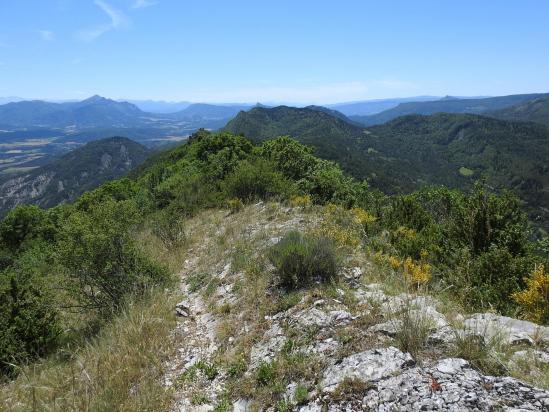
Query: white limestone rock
[(370, 365)]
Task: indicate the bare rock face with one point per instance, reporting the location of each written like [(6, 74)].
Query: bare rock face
[(452, 384), (367, 366), (513, 331), (449, 385), (20, 189), (317, 317), (265, 351)]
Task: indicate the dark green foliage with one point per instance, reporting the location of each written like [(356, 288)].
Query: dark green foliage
[(478, 241), (117, 190), (487, 220), (447, 105), (536, 110), (219, 153), (256, 179), (102, 259), (29, 324), (413, 151), (24, 224), (332, 138), (293, 159), (494, 276), (300, 260)]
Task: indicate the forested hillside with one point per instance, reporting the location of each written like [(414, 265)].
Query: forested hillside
[(447, 105), (413, 151), (536, 110), (78, 171)]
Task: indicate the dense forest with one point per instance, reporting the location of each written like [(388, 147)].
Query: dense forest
[(414, 151)]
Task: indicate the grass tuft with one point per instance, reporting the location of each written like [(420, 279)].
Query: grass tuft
[(120, 369)]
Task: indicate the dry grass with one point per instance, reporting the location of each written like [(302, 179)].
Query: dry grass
[(350, 389), (531, 370), (413, 327), (120, 369)]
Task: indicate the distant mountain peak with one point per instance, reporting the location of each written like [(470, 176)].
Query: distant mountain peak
[(95, 99)]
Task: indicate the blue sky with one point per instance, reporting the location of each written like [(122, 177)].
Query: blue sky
[(271, 51)]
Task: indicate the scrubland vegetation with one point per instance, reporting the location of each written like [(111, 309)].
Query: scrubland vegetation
[(86, 295)]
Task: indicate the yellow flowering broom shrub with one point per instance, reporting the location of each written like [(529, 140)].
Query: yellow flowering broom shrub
[(417, 273), (362, 217), (340, 225), (534, 300), (301, 201), (387, 260)]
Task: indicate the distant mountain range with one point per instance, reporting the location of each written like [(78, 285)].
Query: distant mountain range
[(415, 150), (66, 178), (399, 155), (99, 112), (209, 112), (369, 107), (536, 110), (159, 106), (447, 105), (96, 111)]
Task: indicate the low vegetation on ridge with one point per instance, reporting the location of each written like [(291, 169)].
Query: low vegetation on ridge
[(67, 272)]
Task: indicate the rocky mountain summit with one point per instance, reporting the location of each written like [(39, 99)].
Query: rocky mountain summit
[(364, 342)]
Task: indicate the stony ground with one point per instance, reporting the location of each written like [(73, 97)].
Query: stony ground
[(346, 347)]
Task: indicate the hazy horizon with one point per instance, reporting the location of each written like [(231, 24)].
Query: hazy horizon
[(233, 103)]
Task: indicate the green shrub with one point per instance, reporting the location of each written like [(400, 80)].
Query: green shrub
[(494, 276), (300, 260), (101, 257), (487, 220), (219, 153), (169, 228), (266, 373), (24, 224), (29, 321), (327, 183), (257, 179), (292, 158)]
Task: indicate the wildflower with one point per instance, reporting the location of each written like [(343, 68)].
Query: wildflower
[(416, 272), (301, 201), (362, 217), (405, 232), (534, 300), (394, 262)]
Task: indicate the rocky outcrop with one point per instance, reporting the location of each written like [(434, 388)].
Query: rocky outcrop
[(512, 331), (351, 339), (368, 366)]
